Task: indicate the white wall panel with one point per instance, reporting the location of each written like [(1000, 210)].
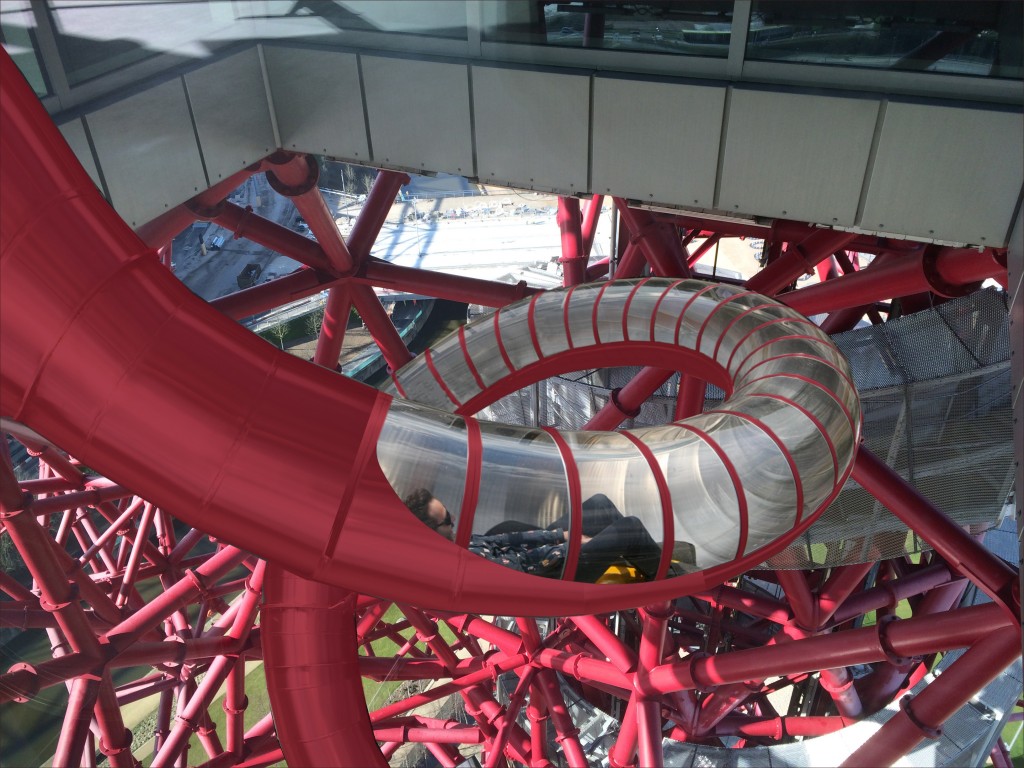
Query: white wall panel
[(655, 141), (419, 114), (946, 173), (796, 156), (532, 128), (74, 135), (147, 150), (229, 103), (318, 102)]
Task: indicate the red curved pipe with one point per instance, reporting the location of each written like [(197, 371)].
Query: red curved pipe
[(106, 354), (313, 679)]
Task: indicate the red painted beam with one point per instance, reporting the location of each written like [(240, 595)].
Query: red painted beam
[(797, 260), (573, 258), (943, 271)]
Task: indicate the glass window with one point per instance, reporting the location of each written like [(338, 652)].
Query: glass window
[(97, 38), (980, 38), (681, 28), (18, 36)]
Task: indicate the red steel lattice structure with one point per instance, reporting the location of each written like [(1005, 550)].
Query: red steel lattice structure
[(126, 372)]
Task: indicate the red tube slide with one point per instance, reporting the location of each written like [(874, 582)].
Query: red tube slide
[(106, 354)]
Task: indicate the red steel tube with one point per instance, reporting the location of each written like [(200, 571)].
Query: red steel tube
[(165, 227), (757, 605), (911, 637), (664, 257), (258, 229), (331, 338), (798, 260), (703, 248), (690, 400), (840, 584), (471, 290), (958, 548), (56, 593), (260, 298), (801, 601), (780, 727), (626, 402), (922, 716), (384, 333), (115, 739), (375, 211), (590, 217), (889, 593), (77, 719), (573, 260), (92, 497), (297, 179), (941, 271)]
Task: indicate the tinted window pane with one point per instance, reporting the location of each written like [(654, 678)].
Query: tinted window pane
[(690, 29), (977, 38), (18, 36)]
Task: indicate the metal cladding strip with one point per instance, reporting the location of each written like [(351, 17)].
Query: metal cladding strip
[(106, 354)]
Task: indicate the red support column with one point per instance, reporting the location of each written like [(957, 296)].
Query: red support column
[(662, 253), (331, 338), (690, 400), (573, 260), (590, 218)]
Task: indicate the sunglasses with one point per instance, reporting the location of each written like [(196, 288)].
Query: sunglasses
[(447, 521)]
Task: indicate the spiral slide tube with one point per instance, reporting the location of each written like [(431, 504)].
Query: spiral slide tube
[(726, 482), (106, 354)]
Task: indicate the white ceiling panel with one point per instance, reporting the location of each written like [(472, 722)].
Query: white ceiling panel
[(74, 135), (656, 142), (147, 150), (318, 102), (796, 155), (419, 114), (532, 128), (946, 173), (229, 103)]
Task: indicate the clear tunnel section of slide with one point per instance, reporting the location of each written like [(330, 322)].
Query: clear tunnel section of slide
[(213, 523), (709, 489)]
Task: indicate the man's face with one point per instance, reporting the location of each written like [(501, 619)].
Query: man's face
[(440, 519)]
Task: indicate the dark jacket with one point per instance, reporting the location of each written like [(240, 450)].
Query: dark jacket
[(538, 552)]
